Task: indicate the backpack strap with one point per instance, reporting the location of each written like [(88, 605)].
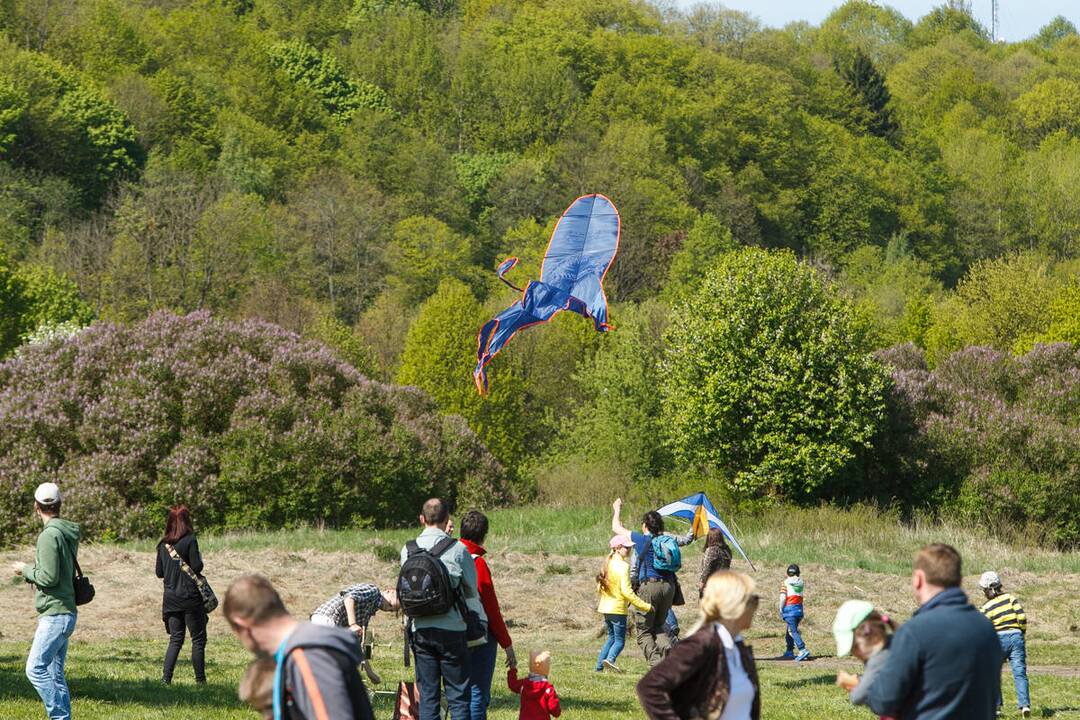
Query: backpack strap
[(442, 546), (411, 548), (354, 685)]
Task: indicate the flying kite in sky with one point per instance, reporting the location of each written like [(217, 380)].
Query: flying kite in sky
[(581, 250), (700, 513)]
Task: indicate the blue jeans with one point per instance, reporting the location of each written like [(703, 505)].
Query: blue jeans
[(616, 639), (792, 636), (442, 662), (1014, 650), (45, 665), (481, 670), (671, 624)]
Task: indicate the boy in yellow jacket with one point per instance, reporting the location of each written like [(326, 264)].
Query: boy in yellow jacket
[(613, 584)]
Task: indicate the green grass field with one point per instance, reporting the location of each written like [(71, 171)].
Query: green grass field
[(543, 560)]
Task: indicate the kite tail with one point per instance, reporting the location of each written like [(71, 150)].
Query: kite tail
[(504, 267), (483, 357)]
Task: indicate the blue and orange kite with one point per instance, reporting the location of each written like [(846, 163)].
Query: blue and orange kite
[(581, 250)]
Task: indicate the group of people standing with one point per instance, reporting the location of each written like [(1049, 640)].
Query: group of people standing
[(454, 627), (943, 663)]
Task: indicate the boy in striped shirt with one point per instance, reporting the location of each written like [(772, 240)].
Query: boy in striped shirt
[(1007, 614)]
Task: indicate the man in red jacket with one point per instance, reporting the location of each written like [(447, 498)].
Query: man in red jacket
[(474, 529)]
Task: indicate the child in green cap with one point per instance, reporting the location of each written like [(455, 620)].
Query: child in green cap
[(864, 632)]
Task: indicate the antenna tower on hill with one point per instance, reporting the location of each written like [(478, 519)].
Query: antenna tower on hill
[(993, 20)]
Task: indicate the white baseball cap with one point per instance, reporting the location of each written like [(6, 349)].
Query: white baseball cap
[(47, 494), (989, 579), (848, 618)]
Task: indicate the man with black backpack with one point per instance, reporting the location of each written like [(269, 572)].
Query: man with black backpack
[(315, 667), (659, 558), (436, 583)]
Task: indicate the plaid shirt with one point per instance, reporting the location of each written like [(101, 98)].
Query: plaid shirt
[(367, 598)]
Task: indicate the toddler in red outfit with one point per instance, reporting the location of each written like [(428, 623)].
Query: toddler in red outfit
[(539, 701)]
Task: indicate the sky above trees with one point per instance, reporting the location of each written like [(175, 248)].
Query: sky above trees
[(1019, 19)]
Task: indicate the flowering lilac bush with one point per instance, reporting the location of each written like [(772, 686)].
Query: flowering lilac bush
[(993, 436), (242, 421)]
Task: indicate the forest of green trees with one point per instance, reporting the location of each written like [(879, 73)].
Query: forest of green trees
[(876, 217)]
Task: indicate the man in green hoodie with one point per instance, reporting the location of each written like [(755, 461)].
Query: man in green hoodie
[(53, 575)]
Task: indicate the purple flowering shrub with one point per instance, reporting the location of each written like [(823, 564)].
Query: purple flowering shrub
[(244, 422), (992, 436)]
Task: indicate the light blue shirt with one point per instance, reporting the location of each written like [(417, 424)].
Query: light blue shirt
[(462, 570)]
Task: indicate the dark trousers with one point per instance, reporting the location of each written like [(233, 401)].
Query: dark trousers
[(650, 628), (482, 661), (442, 661), (194, 622)]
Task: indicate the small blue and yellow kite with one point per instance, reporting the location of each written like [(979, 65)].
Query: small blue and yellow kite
[(700, 513)]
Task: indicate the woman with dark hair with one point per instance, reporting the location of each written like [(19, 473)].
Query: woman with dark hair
[(181, 606), (717, 556)]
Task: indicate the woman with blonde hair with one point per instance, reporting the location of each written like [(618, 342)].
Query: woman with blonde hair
[(616, 594), (710, 675)]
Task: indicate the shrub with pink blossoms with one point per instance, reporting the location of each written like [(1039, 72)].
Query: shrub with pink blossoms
[(244, 422), (988, 436)]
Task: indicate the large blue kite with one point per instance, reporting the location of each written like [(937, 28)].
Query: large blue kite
[(581, 250)]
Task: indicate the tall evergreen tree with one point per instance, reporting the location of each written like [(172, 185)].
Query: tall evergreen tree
[(868, 84)]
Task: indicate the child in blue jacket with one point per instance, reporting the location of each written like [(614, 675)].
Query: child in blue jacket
[(791, 611)]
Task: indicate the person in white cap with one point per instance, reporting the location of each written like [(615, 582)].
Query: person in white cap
[(864, 632), (1010, 622), (52, 574)]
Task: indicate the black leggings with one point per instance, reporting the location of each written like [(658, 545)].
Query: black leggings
[(194, 621)]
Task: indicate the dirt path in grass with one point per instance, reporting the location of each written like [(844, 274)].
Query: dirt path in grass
[(543, 597)]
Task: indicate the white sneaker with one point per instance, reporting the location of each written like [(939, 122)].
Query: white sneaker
[(612, 666), (1025, 712)]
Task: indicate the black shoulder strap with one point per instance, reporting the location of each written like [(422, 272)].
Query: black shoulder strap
[(442, 546), (411, 548)]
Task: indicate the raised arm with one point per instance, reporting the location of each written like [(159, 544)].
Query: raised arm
[(683, 540), (616, 521)]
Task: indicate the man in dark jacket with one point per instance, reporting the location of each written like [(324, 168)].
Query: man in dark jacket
[(944, 663), (317, 665), (52, 574)]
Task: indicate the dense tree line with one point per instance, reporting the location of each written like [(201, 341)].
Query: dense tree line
[(353, 170)]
